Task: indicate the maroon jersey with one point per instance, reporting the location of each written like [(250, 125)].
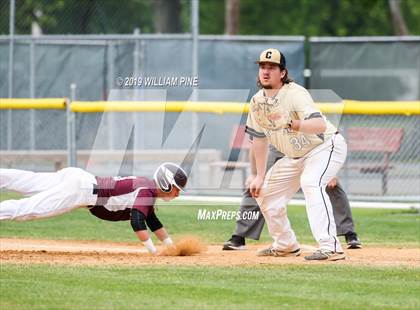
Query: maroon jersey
[(118, 195)]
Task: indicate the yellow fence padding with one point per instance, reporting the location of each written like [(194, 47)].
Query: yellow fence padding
[(345, 107), (157, 106), (24, 103), (372, 107)]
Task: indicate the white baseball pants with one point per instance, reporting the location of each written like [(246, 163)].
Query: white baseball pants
[(311, 172), (50, 194)]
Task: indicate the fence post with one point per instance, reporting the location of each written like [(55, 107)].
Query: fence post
[(11, 45), (138, 94), (111, 82), (9, 129), (11, 54), (194, 71), (68, 131), (32, 94), (137, 118), (71, 129)]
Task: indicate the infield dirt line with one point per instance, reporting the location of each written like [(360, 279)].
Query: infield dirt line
[(28, 251)]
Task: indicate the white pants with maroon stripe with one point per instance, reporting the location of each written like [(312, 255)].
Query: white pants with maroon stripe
[(311, 172), (50, 194)]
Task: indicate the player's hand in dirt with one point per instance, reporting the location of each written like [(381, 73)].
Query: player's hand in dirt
[(153, 252), (256, 186)]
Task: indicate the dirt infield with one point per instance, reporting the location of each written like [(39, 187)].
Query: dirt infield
[(28, 251)]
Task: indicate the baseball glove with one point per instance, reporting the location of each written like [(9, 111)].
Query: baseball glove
[(269, 113)]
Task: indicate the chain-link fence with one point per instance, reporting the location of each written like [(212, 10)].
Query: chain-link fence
[(373, 167), (373, 170), (367, 68), (375, 68), (46, 66)]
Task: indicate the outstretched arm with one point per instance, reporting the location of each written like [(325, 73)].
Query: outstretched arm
[(139, 226), (163, 236), (156, 226)]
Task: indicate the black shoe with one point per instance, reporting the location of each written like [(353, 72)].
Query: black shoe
[(353, 241), (234, 243)]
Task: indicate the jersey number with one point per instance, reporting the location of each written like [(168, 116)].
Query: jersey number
[(299, 142)]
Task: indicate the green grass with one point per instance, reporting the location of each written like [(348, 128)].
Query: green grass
[(270, 287), (375, 226)]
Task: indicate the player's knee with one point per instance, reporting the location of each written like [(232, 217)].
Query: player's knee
[(271, 208), (264, 205)]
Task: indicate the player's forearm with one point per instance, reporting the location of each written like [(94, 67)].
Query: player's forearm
[(140, 229), (310, 126), (252, 162), (163, 236), (143, 236), (260, 149)]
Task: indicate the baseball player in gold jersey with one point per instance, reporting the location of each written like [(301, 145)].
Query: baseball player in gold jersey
[(283, 114)]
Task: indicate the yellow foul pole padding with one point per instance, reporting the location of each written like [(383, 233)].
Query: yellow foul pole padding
[(27, 103)]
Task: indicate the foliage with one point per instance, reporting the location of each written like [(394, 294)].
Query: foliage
[(257, 17), (4, 17), (323, 18), (83, 17)]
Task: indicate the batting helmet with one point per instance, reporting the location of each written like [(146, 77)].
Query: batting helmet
[(168, 175)]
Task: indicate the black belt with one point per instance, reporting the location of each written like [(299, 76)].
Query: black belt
[(95, 189)]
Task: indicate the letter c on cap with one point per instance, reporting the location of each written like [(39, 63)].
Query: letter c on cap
[(268, 55)]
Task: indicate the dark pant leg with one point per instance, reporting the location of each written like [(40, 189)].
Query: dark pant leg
[(341, 209), (249, 228), (252, 228)]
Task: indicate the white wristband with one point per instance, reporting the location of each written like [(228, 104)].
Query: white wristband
[(167, 241), (150, 246)]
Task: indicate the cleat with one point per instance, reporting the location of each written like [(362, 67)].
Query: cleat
[(270, 251), (326, 255), (234, 243), (353, 241)]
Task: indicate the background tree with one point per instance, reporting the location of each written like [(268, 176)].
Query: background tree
[(167, 16), (79, 17), (232, 16), (257, 17), (398, 21)]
